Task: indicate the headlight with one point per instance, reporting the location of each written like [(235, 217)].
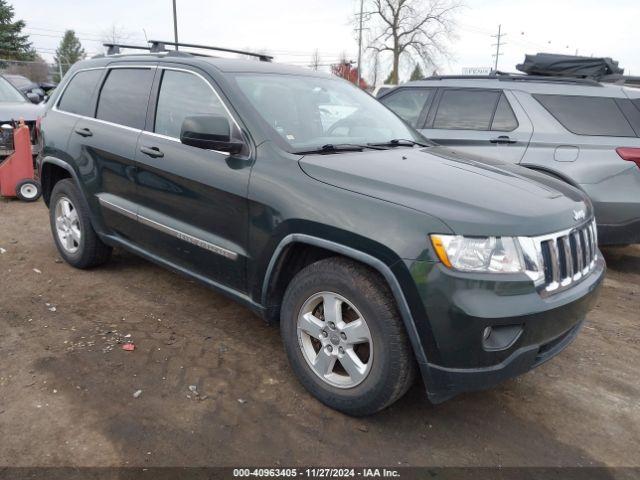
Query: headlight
[(479, 254)]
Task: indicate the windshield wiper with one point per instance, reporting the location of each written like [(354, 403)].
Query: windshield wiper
[(341, 147), (400, 142)]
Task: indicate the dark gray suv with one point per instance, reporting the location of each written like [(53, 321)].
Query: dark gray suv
[(580, 131), (305, 199)]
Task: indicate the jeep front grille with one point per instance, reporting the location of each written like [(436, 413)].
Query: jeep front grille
[(566, 257)]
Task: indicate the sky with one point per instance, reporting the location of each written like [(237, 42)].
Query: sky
[(292, 30)]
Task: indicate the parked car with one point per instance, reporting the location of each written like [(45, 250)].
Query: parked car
[(30, 89), (308, 201), (14, 105), (580, 131), (380, 90)]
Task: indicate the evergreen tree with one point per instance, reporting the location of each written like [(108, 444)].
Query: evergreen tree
[(68, 52), (14, 45), (417, 73)]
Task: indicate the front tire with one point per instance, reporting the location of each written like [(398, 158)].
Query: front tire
[(344, 337), (77, 241)]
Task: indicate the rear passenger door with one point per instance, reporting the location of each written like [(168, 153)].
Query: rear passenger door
[(485, 122), (104, 144), (193, 202)]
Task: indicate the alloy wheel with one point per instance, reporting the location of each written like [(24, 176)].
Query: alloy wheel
[(335, 340), (67, 225)]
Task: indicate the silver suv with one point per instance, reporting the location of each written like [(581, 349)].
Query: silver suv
[(580, 131)]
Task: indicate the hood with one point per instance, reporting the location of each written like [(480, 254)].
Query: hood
[(473, 196), (17, 110)]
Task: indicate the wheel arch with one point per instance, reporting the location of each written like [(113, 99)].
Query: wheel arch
[(325, 248), (52, 170)]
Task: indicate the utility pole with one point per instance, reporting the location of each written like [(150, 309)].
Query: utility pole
[(175, 24), (360, 43), (498, 44)]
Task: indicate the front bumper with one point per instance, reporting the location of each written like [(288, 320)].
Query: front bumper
[(621, 234), (459, 308)]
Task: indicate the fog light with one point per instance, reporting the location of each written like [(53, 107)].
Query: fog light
[(500, 337), (486, 334)]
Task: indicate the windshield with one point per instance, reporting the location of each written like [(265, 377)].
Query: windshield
[(308, 113), (8, 92)]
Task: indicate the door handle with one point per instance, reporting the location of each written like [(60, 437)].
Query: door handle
[(153, 152), (84, 132), (503, 140)]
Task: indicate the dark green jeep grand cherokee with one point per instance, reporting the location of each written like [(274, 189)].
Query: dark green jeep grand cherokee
[(305, 199)]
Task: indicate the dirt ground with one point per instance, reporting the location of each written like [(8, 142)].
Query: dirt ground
[(67, 387)]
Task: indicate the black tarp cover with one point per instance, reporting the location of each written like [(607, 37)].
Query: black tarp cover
[(551, 64)]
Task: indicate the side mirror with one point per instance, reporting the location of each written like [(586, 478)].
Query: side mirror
[(33, 97), (209, 132)]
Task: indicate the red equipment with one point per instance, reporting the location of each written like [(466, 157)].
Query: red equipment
[(17, 177)]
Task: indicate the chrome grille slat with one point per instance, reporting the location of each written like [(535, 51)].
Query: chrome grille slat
[(555, 262), (566, 243), (566, 257)]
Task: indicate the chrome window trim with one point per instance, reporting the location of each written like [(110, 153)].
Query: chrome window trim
[(106, 67), (180, 235), (147, 132)]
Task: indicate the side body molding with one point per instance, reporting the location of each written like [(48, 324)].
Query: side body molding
[(367, 259)]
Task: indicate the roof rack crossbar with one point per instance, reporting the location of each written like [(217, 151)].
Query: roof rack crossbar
[(160, 46), (114, 48), (510, 77)]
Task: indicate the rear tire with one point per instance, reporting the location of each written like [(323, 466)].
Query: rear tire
[(28, 190), (360, 363), (77, 241)]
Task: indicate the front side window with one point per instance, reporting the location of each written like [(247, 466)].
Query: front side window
[(466, 109), (408, 103), (183, 95), (124, 97), (77, 97), (8, 92), (307, 112), (600, 116)]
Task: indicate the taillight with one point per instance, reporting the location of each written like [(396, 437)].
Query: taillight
[(630, 154)]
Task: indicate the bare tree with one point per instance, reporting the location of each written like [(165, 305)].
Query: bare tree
[(414, 27), (115, 34), (375, 67), (35, 70), (315, 60)]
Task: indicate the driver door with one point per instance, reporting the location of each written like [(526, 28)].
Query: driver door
[(193, 205)]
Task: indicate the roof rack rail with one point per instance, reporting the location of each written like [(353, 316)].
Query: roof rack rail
[(160, 46), (515, 77), (114, 48)]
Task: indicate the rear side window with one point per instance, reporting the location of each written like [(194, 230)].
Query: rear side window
[(466, 109), (183, 95), (124, 97), (408, 103), (77, 97), (600, 116)]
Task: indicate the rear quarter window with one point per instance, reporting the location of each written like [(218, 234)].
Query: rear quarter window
[(77, 97), (598, 116)]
